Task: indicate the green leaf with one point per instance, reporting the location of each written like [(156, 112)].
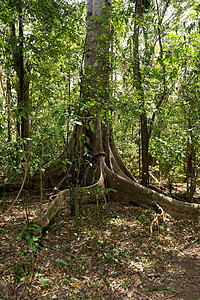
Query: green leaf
[(107, 190), (62, 107), (62, 120), (66, 161), (152, 288), (2, 42), (91, 126), (23, 252), (142, 219), (106, 260), (171, 289), (57, 131), (27, 235), (33, 226), (19, 237), (36, 238), (63, 262)]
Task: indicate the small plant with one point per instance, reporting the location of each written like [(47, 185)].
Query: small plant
[(146, 217), (32, 239), (19, 272)]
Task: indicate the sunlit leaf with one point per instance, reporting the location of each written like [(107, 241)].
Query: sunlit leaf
[(171, 289)]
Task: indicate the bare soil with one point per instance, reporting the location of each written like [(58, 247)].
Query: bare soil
[(106, 253)]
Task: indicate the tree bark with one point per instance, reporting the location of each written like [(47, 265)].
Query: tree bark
[(8, 92), (140, 95), (24, 125), (23, 83), (191, 158)]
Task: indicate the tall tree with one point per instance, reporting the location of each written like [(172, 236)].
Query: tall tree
[(140, 94), (24, 126), (146, 130)]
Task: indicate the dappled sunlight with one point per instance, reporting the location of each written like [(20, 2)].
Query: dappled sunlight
[(107, 252)]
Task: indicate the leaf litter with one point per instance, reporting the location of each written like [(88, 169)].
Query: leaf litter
[(106, 253)]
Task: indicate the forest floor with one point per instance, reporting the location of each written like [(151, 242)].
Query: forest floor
[(107, 253)]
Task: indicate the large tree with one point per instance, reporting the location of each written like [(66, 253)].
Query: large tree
[(95, 161)]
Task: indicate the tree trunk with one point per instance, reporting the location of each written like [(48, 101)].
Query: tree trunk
[(8, 93), (190, 173), (145, 149), (191, 119), (140, 96), (23, 83), (24, 125)]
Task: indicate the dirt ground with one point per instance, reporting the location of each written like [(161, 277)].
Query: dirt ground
[(106, 253)]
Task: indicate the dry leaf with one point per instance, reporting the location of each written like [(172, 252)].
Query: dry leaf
[(75, 285), (101, 282), (137, 281), (89, 263)]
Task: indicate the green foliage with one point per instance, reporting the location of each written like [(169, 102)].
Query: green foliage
[(19, 272), (31, 239), (54, 48), (169, 135)]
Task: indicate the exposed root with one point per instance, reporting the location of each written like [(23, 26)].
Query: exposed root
[(129, 191), (160, 217), (63, 198)]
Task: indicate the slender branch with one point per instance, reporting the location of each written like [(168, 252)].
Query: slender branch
[(41, 162), (159, 103), (136, 62), (164, 10)]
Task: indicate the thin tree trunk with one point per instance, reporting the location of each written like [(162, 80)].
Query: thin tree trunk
[(190, 175), (24, 124), (21, 72), (140, 95), (9, 103), (24, 102)]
